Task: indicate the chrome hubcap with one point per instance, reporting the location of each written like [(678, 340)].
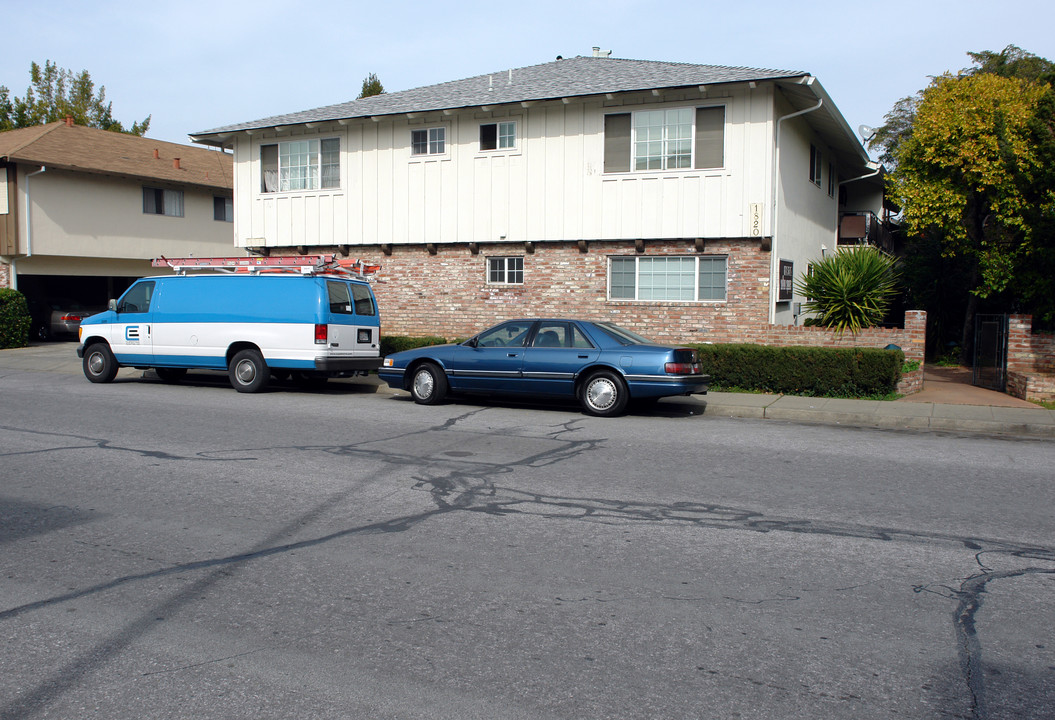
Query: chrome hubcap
[(95, 363), (245, 371), (424, 384), (600, 393)]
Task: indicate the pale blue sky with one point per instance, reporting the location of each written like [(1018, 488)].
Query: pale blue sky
[(198, 65)]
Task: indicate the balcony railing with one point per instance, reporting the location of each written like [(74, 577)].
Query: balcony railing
[(864, 228)]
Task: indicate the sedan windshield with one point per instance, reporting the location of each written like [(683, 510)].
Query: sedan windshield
[(622, 335)]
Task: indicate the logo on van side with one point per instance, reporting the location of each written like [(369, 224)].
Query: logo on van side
[(132, 334)]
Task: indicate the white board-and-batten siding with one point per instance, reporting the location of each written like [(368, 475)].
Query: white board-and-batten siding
[(552, 187)]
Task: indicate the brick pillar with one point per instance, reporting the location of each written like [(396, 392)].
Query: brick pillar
[(6, 278), (915, 345), (1020, 343)]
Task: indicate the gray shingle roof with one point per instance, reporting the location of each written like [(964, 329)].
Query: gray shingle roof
[(577, 76)]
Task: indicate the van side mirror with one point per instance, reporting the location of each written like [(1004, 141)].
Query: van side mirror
[(111, 304)]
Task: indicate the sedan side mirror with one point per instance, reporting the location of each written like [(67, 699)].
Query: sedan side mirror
[(472, 342)]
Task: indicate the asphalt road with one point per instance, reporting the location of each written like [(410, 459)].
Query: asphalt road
[(191, 552)]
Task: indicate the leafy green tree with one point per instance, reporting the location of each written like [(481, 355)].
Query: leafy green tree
[(371, 86), (55, 93), (851, 289), (971, 175)]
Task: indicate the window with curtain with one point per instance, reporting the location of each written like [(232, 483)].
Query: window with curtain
[(159, 201), (300, 165), (670, 139)]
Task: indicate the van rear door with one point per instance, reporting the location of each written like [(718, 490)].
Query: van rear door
[(353, 328)]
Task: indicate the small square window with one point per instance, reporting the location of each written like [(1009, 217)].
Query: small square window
[(158, 201), (223, 209), (498, 136), (428, 141), (505, 270)]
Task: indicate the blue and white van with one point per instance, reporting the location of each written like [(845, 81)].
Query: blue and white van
[(252, 325)]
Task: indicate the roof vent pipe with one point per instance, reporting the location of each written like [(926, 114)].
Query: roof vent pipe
[(69, 121), (157, 155), (175, 163), (598, 52)]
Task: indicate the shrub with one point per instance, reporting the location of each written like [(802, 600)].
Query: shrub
[(851, 289), (819, 372), (14, 319), (394, 343)]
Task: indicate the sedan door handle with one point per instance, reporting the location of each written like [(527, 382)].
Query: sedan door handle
[(584, 357), (513, 354)]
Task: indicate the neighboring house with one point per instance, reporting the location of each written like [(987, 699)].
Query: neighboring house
[(677, 199), (82, 210)]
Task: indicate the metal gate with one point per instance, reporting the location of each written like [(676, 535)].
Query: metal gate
[(990, 351)]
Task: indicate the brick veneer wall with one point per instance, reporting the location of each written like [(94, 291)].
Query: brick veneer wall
[(5, 275), (447, 294), (1030, 360)]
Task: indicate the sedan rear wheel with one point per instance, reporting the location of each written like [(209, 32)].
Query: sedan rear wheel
[(428, 384), (603, 394)]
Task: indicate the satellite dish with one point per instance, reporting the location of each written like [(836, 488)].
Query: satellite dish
[(867, 132)]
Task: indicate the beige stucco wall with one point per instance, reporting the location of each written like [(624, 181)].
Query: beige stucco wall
[(76, 216)]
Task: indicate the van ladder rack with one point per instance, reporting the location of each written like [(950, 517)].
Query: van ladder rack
[(306, 264)]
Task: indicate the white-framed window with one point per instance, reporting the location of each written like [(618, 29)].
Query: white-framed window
[(663, 139), (686, 138), (300, 165), (159, 201), (505, 270), (498, 135), (222, 209), (688, 278), (815, 165), (428, 141), (832, 180)]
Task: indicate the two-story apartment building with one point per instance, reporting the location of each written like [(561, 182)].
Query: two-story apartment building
[(676, 199), (83, 210)]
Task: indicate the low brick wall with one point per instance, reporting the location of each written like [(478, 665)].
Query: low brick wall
[(1030, 360)]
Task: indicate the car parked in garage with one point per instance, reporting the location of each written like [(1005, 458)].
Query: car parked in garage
[(600, 364)]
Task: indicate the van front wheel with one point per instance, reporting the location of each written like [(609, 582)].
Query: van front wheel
[(99, 365), (248, 372)]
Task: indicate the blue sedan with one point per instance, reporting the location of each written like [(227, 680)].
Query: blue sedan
[(602, 365)]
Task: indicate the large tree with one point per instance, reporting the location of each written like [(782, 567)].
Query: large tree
[(55, 93), (973, 160)]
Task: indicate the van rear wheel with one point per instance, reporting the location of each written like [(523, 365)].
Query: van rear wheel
[(248, 372)]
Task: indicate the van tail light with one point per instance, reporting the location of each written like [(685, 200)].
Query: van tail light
[(321, 335), (685, 362)]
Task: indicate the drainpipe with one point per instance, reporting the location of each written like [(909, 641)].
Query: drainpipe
[(29, 219), (807, 81)]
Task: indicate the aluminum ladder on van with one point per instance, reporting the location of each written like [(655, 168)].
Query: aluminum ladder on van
[(326, 264)]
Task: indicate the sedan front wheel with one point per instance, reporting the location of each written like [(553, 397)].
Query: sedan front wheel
[(428, 384)]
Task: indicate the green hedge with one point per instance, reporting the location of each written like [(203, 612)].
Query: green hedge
[(814, 371), (395, 343), (14, 319)]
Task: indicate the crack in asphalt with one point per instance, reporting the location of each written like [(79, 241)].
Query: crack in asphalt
[(457, 483)]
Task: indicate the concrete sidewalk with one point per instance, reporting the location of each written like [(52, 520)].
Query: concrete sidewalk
[(956, 406)]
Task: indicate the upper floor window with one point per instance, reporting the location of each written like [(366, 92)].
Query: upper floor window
[(158, 201), (300, 165), (505, 270), (222, 209), (670, 139), (428, 141), (815, 165), (668, 277), (498, 136), (832, 180)]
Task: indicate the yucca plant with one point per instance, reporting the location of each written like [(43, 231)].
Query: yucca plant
[(851, 289)]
